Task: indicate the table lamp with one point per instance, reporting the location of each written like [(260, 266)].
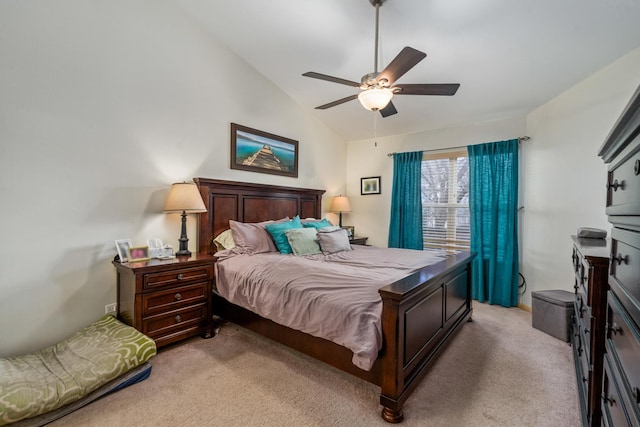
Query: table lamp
[(340, 204), (184, 197)]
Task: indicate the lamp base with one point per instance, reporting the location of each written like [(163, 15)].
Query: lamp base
[(184, 241)]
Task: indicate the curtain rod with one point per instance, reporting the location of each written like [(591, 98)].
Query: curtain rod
[(520, 139)]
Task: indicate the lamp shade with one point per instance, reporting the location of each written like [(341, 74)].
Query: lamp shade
[(184, 197), (375, 98), (340, 204)]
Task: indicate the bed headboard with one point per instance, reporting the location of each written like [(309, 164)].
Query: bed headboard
[(249, 202)]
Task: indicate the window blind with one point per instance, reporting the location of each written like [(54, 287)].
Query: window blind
[(445, 201)]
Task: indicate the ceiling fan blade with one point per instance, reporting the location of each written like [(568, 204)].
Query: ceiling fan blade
[(331, 79), (389, 110), (403, 62), (444, 89), (338, 102)]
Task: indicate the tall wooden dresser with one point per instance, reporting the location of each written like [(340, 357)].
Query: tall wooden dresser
[(620, 400), (591, 266)]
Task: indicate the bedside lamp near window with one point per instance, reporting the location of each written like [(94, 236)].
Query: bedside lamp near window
[(184, 197), (340, 204)]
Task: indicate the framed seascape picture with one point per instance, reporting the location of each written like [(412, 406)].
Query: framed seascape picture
[(257, 151), (370, 185), (121, 246)]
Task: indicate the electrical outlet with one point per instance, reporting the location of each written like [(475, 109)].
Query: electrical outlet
[(111, 308)]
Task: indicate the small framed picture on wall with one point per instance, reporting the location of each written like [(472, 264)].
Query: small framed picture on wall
[(370, 185)]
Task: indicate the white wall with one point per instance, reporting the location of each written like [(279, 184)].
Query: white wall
[(102, 106), (564, 179), (371, 213)]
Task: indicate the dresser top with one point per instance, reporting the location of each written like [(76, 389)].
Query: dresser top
[(592, 248)]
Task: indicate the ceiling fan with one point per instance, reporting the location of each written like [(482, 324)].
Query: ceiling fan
[(376, 88)]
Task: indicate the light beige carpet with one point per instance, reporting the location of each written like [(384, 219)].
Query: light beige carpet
[(498, 371)]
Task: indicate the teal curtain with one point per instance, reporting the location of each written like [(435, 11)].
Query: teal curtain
[(405, 228), (493, 206)]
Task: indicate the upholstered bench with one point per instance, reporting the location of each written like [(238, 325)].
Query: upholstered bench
[(103, 357)]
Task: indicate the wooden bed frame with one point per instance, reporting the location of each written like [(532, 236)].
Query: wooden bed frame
[(420, 315)]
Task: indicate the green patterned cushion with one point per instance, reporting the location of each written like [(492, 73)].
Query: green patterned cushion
[(40, 382)]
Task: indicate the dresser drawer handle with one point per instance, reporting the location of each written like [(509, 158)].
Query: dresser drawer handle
[(608, 400), (616, 185), (178, 297), (178, 319), (619, 259), (615, 329), (180, 276), (636, 394), (636, 167)]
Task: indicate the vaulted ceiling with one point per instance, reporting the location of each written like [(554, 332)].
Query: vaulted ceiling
[(509, 56)]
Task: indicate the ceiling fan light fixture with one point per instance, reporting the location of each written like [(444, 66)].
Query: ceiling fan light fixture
[(375, 99)]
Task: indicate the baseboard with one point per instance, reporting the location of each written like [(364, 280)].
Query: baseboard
[(524, 307)]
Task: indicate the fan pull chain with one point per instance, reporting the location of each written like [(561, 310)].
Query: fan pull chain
[(375, 128)]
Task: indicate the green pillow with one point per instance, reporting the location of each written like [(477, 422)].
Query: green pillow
[(303, 241), (317, 224), (277, 232)]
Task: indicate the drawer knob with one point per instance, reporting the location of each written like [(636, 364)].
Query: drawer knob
[(608, 400), (619, 259), (180, 276), (178, 319), (636, 167), (178, 297), (615, 329), (616, 185)]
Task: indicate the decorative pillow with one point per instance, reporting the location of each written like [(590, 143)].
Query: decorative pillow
[(224, 240), (252, 238), (317, 224), (277, 232), (303, 241), (332, 241)]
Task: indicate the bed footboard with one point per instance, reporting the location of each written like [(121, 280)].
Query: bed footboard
[(420, 315)]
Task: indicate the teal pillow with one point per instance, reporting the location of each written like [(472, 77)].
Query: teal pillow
[(317, 224), (277, 232), (303, 241)]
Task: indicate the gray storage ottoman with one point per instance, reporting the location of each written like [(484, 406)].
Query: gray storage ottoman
[(551, 312)]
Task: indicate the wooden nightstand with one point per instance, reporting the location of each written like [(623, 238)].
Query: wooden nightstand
[(168, 300), (358, 240)]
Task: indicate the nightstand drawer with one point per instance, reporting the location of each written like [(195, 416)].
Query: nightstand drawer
[(176, 277), (174, 321), (163, 301)]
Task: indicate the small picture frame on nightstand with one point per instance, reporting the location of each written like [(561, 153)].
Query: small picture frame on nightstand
[(351, 231), (138, 253), (121, 246)]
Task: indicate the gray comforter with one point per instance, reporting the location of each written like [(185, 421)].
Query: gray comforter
[(334, 297)]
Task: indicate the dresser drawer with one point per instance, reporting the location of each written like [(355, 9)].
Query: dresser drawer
[(162, 301), (176, 276), (623, 189), (625, 269), (624, 348), (173, 321), (613, 411), (581, 347)]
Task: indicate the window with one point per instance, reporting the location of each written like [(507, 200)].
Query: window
[(445, 201)]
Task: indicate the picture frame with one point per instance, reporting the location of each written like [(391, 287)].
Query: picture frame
[(138, 253), (121, 247), (254, 150), (351, 231), (370, 185)]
